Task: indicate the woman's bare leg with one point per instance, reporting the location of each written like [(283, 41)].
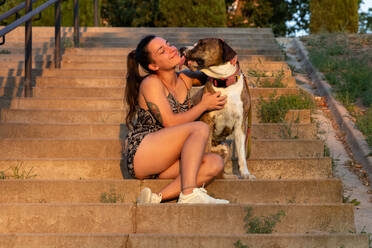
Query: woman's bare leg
[(212, 165), (160, 150)]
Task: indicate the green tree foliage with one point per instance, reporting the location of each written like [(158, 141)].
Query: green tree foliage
[(192, 13), (334, 16), (130, 13), (86, 12), (365, 21), (164, 13), (272, 14)]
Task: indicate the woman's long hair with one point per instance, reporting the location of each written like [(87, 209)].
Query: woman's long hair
[(138, 56)]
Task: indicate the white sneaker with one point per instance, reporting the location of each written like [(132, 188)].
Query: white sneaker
[(199, 195), (146, 196)]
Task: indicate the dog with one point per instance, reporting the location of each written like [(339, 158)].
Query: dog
[(218, 61)]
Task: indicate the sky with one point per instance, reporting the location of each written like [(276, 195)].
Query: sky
[(365, 5)]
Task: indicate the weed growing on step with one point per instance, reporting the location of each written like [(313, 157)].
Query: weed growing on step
[(17, 172), (67, 43), (5, 52), (346, 199), (111, 197), (263, 224), (274, 109), (263, 82), (287, 131), (239, 244)]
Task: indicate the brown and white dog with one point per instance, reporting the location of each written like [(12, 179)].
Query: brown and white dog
[(218, 61)]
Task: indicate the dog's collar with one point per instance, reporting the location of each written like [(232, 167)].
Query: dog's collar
[(227, 81)]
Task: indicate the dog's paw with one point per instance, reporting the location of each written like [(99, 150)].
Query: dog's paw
[(249, 177)]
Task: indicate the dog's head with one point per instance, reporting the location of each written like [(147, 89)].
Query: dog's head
[(206, 53)]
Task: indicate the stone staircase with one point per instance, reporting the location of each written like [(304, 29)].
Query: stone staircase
[(66, 140)]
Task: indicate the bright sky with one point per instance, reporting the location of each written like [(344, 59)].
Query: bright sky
[(366, 5)]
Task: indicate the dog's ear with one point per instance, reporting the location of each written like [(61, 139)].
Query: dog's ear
[(227, 52)]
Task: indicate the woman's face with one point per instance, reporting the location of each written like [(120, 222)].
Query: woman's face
[(164, 55)]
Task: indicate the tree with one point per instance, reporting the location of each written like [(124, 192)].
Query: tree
[(274, 14), (334, 16)]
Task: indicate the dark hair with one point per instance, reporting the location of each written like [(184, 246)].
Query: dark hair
[(138, 56)]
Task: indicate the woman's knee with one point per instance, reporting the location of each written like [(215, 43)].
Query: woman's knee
[(214, 163), (200, 128)]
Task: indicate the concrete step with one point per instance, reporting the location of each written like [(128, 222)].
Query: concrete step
[(102, 117), (115, 92), (111, 148), (169, 218), (287, 168), (82, 103), (132, 43), (39, 51), (236, 191), (98, 131), (301, 116), (175, 38), (110, 104), (115, 53), (287, 80), (145, 30), (65, 116), (138, 35), (331, 240)]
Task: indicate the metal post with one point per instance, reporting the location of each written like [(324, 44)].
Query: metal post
[(28, 53), (96, 13), (57, 34), (76, 24)]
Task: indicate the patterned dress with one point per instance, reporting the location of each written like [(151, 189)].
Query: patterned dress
[(146, 123)]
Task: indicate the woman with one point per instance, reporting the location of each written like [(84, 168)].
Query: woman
[(165, 141)]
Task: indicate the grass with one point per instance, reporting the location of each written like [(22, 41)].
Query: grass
[(111, 197), (5, 52), (263, 224), (17, 172), (364, 123), (274, 109), (346, 62), (239, 244), (263, 82)]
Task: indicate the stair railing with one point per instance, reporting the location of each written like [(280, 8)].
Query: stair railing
[(27, 19)]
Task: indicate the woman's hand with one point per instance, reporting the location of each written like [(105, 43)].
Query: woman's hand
[(213, 101)]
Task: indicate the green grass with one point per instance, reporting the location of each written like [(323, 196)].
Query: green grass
[(263, 224), (346, 65), (111, 197), (364, 123), (274, 109), (239, 244), (17, 172), (346, 62)]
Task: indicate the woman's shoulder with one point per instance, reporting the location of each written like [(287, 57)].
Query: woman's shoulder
[(150, 84)]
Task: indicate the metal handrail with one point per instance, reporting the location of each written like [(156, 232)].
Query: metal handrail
[(27, 18), (14, 10)]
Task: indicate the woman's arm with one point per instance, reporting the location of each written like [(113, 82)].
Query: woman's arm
[(153, 91)]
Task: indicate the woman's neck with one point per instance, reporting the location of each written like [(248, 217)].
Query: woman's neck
[(168, 77)]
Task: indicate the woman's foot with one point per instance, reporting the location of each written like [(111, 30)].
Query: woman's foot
[(146, 196), (199, 195)]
